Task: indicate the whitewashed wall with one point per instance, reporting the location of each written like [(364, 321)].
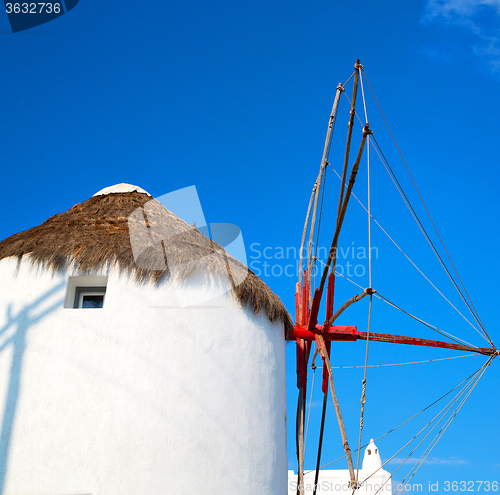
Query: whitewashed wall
[(140, 397), (373, 479), (337, 482)]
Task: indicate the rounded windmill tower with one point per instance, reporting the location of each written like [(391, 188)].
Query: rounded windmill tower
[(137, 357)]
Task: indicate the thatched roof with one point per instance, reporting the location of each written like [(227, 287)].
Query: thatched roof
[(97, 234)]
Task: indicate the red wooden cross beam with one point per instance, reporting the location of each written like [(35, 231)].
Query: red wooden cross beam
[(307, 328), (350, 333)]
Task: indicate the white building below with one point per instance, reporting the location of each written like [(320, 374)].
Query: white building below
[(373, 477)]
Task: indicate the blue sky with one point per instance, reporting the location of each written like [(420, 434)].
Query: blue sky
[(234, 98)]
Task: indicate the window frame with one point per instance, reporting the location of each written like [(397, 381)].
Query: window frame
[(81, 291)]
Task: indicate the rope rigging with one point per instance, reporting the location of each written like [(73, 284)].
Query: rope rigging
[(469, 379), (478, 319), (402, 364), (315, 257), (303, 313), (428, 325), (405, 255), (308, 300), (429, 449), (466, 380), (384, 299), (465, 392), (363, 391), (363, 94), (419, 223), (429, 240), (437, 418)]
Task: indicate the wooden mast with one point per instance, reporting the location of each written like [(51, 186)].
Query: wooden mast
[(350, 124), (308, 315), (324, 162), (319, 339), (302, 305)]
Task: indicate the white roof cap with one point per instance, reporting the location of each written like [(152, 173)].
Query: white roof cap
[(371, 460), (120, 188)]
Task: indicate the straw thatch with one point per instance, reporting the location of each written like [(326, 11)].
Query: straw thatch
[(97, 234)]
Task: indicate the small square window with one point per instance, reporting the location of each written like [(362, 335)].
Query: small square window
[(92, 301), (89, 297), (86, 291)]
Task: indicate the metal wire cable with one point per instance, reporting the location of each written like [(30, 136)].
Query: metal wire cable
[(467, 301), (470, 385), (341, 275), (363, 392), (403, 364), (405, 255), (423, 322), (426, 235), (476, 317), (352, 75), (309, 412), (476, 376), (473, 309), (428, 325), (428, 213), (441, 433), (409, 419), (363, 94), (319, 225)]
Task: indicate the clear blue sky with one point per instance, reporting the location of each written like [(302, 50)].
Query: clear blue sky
[(234, 98)]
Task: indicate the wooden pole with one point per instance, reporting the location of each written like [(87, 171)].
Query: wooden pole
[(331, 126), (304, 232), (314, 196), (303, 349), (320, 446), (348, 303), (350, 124), (324, 354), (332, 256), (330, 292), (300, 431)]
